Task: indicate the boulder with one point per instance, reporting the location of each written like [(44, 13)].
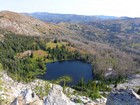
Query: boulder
[(27, 95), (57, 97), (123, 97), (15, 102)]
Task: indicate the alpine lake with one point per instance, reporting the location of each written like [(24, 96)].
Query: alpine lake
[(75, 69)]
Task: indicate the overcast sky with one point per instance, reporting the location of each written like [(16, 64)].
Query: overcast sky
[(129, 8)]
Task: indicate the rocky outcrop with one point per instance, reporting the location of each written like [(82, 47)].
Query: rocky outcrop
[(133, 82), (57, 97), (13, 92), (26, 94), (27, 97), (87, 101), (15, 102), (123, 97)]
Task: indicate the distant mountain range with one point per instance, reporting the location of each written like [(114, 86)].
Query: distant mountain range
[(57, 18), (117, 31)]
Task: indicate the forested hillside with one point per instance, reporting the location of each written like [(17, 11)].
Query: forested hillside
[(24, 57), (111, 44), (20, 69)]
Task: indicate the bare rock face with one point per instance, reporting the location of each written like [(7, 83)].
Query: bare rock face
[(57, 97), (15, 102), (27, 97), (123, 97)]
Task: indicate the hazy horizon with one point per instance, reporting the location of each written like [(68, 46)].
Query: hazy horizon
[(118, 8)]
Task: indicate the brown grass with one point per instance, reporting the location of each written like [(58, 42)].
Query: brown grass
[(40, 53)]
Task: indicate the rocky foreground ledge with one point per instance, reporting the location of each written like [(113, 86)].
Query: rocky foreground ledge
[(123, 97), (15, 93)]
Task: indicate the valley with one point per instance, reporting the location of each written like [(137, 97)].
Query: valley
[(109, 46)]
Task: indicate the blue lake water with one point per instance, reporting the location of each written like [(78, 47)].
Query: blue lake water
[(75, 69)]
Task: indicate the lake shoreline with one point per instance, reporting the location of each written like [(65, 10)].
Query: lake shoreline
[(76, 69)]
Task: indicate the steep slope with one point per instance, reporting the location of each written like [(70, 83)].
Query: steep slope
[(124, 34), (22, 24), (123, 31)]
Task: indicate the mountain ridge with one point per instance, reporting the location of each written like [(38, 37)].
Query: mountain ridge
[(57, 17), (27, 25)]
